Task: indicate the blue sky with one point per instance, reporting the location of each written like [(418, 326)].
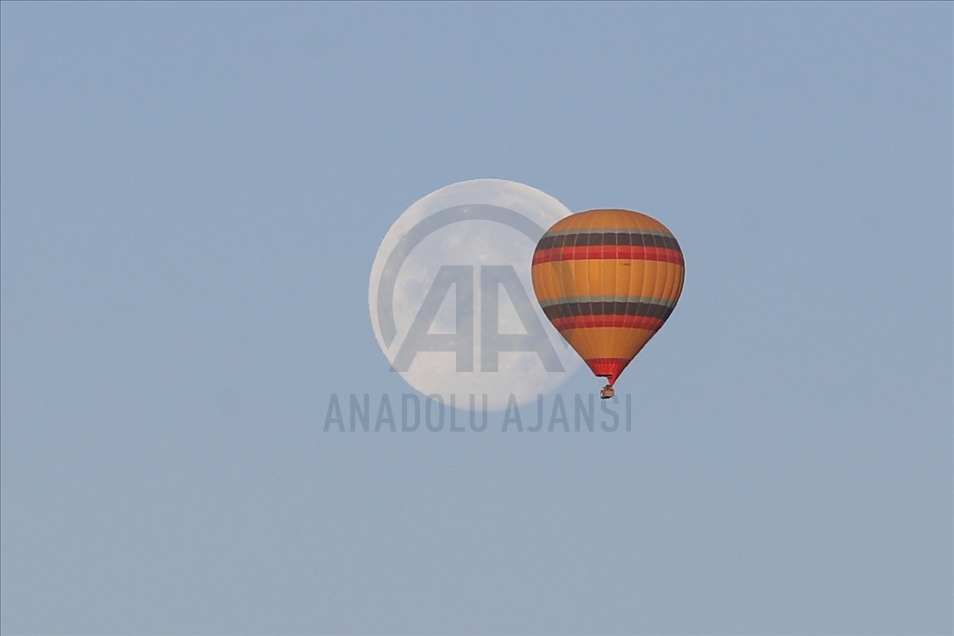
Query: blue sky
[(192, 198)]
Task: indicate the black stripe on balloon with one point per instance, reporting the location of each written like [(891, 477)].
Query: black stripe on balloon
[(608, 238), (648, 310)]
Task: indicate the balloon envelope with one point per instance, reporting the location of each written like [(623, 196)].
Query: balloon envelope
[(608, 280)]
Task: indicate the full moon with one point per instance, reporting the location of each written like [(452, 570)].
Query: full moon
[(449, 228)]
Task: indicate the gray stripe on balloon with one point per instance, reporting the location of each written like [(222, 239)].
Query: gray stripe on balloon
[(469, 212)]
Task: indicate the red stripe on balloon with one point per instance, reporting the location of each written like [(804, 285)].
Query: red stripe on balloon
[(601, 252), (607, 367), (608, 320)]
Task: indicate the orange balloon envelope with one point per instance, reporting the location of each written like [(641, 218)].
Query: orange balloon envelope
[(608, 280)]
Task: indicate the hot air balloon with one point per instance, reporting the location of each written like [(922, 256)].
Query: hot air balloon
[(608, 280)]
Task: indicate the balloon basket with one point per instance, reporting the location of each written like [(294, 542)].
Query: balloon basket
[(607, 392)]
